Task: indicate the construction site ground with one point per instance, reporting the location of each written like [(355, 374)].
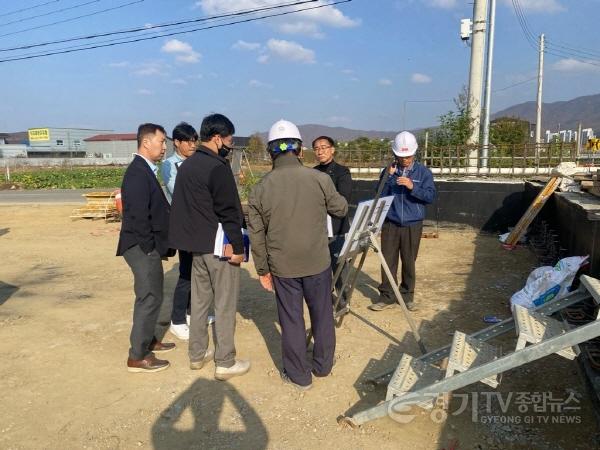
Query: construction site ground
[(65, 316)]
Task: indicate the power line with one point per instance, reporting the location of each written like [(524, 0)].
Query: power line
[(587, 54), (561, 51), (252, 19), (25, 19), (71, 19), (529, 80), (163, 25), (29, 8)]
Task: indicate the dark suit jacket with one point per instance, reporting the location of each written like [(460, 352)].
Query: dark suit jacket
[(340, 175), (145, 211)]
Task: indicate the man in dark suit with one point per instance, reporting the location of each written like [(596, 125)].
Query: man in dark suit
[(324, 148), (143, 244)]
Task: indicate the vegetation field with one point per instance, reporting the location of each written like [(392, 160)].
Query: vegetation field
[(68, 178)]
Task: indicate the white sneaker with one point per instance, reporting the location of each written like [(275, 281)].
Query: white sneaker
[(181, 331), (197, 365), (210, 321), (240, 367)]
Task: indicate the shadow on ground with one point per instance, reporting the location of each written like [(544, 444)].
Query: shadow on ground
[(211, 404)]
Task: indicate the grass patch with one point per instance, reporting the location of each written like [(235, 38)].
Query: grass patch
[(75, 178)]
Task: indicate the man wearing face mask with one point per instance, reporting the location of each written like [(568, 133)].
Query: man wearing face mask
[(206, 195), (411, 184)]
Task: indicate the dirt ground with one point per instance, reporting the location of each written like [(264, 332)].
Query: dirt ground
[(65, 315)]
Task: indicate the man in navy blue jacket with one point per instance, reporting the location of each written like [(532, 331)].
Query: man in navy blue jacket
[(412, 186)]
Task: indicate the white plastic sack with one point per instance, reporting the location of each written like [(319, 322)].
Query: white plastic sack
[(546, 283)]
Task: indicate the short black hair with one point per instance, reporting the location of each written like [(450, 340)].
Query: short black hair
[(148, 128), (185, 132), (327, 138), (214, 124)]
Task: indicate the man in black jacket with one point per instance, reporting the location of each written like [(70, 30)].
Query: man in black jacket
[(143, 244), (324, 148), (205, 196)]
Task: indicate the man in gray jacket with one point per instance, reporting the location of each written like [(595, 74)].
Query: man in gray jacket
[(287, 223)]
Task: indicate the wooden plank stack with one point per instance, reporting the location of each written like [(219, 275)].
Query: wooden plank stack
[(589, 182), (100, 205), (531, 213)]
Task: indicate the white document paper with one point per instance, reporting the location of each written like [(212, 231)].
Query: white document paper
[(329, 226)]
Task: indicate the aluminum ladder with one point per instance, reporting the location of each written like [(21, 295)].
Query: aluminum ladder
[(421, 380)]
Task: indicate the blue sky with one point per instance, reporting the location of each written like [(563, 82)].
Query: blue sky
[(351, 65)]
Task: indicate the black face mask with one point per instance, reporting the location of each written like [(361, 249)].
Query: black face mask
[(224, 151)]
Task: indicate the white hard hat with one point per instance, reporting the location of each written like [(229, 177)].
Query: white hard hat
[(284, 129), (405, 144)]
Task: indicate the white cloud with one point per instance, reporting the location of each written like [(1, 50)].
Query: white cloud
[(354, 79), (279, 102), (420, 78), (575, 66), (258, 84), (291, 51), (304, 28), (151, 68), (144, 92), (243, 45), (338, 120), (539, 6), (182, 50), (179, 81), (444, 4), (264, 58), (308, 21), (385, 82), (119, 64), (348, 71)]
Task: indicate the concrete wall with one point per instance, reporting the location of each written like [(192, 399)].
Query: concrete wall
[(118, 149), (576, 219), (487, 205)]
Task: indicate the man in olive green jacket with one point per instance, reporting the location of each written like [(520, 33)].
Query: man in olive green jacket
[(287, 223)]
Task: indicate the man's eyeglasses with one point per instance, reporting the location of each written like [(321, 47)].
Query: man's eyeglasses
[(322, 148)]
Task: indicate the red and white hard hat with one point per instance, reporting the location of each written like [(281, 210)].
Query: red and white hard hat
[(405, 144)]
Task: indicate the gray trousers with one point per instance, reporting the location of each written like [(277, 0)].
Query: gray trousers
[(148, 279), (404, 242), (217, 282)]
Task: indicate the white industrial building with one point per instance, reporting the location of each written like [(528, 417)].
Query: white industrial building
[(60, 142)]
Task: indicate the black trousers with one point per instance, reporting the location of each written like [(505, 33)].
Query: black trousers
[(148, 279), (404, 242), (335, 246), (183, 289), (316, 290)]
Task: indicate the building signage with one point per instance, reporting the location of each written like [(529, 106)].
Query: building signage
[(39, 134)]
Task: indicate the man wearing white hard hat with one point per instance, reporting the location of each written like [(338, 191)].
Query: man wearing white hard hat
[(287, 223), (411, 184)]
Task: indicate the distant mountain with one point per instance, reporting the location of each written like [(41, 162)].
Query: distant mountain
[(311, 131), (567, 114)]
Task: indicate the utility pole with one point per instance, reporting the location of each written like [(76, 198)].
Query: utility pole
[(476, 74), (538, 125), (488, 84)]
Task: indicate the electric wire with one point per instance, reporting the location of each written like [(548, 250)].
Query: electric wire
[(168, 34), (25, 19), (156, 26), (28, 8), (71, 19)]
